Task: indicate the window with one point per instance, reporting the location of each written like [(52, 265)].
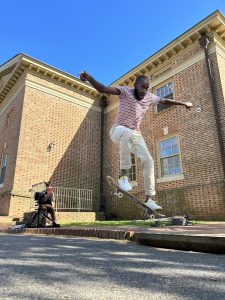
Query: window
[(3, 167), (164, 91), (9, 117), (132, 171), (169, 157)]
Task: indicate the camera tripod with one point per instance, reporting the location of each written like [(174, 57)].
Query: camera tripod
[(39, 215)]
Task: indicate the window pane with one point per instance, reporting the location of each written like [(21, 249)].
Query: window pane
[(177, 169), (171, 170), (166, 171), (168, 143), (169, 163), (132, 171), (166, 90), (4, 160), (174, 140), (168, 151), (165, 162), (163, 153), (2, 176), (3, 167), (174, 149), (176, 159), (162, 144)]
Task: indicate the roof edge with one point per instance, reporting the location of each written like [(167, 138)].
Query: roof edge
[(197, 27)]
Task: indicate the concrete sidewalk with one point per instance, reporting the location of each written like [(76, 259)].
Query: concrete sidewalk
[(205, 238)]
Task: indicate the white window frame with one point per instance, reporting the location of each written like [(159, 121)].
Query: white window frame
[(170, 177), (133, 171), (162, 84)]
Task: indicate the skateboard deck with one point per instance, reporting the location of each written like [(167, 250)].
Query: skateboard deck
[(148, 213)]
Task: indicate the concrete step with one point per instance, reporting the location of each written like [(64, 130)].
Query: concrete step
[(8, 221)]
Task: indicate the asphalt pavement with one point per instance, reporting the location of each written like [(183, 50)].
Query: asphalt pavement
[(81, 268)]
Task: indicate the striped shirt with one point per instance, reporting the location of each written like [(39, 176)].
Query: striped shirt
[(131, 111)]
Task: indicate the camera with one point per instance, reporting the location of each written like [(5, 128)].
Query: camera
[(39, 197)]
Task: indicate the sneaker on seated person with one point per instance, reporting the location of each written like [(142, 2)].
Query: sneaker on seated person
[(55, 225)]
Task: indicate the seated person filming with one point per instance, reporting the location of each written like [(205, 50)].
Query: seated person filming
[(47, 205)]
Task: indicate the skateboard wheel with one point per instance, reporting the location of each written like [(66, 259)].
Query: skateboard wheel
[(146, 215), (120, 195), (152, 217)]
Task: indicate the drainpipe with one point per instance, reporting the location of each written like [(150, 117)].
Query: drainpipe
[(103, 104), (204, 43)]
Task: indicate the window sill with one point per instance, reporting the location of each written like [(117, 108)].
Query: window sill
[(170, 178), (156, 113)]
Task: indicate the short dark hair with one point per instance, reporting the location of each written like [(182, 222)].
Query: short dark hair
[(141, 77)]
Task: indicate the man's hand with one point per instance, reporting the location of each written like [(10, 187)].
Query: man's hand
[(188, 105), (84, 76)]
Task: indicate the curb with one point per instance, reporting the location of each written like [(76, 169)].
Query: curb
[(198, 243), (83, 232), (188, 242)]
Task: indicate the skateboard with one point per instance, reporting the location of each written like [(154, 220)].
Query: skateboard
[(117, 191)]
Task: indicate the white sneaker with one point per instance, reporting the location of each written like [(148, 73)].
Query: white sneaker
[(124, 184), (151, 204)]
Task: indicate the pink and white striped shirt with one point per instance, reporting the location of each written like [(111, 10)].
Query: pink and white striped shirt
[(131, 111)]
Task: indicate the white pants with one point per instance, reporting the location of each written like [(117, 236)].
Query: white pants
[(132, 141)]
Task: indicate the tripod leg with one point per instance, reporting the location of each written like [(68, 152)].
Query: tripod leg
[(50, 219), (42, 214), (32, 219), (37, 215)]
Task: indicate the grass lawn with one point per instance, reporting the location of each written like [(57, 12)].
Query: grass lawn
[(123, 223)]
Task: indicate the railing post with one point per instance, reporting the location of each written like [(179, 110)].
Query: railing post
[(79, 201)]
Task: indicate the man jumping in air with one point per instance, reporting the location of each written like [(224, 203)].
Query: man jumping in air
[(133, 103)]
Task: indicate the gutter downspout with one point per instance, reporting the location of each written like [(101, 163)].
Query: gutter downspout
[(103, 104), (204, 42)]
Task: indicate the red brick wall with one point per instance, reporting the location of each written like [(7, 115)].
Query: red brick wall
[(74, 158), (9, 135), (201, 193)]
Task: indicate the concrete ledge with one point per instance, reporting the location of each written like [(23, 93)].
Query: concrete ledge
[(198, 243)]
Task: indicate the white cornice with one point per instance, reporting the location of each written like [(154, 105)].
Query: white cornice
[(29, 63), (10, 62), (33, 63), (12, 95)]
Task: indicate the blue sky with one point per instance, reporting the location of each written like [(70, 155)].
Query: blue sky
[(107, 38)]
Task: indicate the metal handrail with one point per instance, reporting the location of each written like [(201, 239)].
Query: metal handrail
[(66, 199)]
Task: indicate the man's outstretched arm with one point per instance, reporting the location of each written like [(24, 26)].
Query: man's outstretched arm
[(84, 76), (188, 105)]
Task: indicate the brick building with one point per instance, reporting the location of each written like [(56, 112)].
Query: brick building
[(54, 126)]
